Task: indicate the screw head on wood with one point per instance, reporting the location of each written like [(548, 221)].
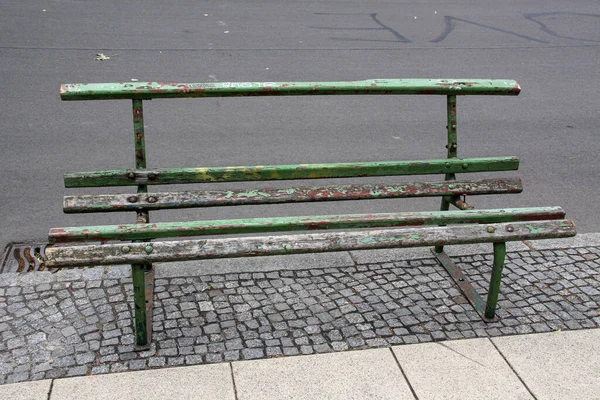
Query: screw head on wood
[(131, 175), (490, 229), (148, 249), (152, 199), (125, 249), (152, 176), (132, 199)]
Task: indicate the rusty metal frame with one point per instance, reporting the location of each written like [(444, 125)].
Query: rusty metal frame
[(142, 274), (485, 309), (466, 287), (140, 253)]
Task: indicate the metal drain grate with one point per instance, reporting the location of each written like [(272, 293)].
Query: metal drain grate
[(21, 257)]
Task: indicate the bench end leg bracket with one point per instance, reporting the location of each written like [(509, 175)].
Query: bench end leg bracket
[(466, 288)]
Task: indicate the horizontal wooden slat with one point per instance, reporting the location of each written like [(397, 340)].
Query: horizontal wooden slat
[(286, 172), (155, 90), (259, 225), (74, 256), (212, 198)]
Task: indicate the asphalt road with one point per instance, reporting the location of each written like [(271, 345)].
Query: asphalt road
[(550, 47)]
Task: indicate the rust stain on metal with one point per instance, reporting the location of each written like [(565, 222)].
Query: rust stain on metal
[(137, 114), (452, 110), (210, 198), (140, 157)]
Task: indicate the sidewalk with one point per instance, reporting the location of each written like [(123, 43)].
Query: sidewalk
[(561, 365), (376, 324)]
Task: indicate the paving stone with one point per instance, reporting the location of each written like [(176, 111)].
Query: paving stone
[(66, 361), (249, 354), (77, 371)]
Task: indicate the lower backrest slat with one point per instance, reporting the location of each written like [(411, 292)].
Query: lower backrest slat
[(211, 198), (197, 249), (261, 225)]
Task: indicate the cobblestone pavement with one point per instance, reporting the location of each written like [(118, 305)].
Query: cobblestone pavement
[(61, 325)]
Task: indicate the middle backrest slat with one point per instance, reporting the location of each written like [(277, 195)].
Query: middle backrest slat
[(234, 197), (166, 176)]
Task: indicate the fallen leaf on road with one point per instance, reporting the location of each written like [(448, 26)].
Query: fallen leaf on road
[(102, 57)]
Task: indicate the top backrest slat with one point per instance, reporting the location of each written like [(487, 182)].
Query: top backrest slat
[(155, 90)]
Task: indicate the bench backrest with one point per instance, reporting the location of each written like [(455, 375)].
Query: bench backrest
[(142, 177)]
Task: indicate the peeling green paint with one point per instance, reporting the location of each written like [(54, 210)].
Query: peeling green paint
[(280, 224), (155, 90), (533, 229), (77, 255), (165, 176), (210, 198)]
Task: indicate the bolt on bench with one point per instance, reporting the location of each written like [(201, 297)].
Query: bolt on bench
[(95, 245)]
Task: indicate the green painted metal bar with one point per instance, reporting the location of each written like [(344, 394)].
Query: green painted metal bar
[(141, 272), (198, 249), (452, 148), (492, 300), (286, 172), (259, 225), (140, 154), (155, 90), (452, 127), (138, 128), (213, 198)]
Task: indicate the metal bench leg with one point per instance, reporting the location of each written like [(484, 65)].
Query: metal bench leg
[(492, 300), (445, 206), (142, 274), (143, 292)]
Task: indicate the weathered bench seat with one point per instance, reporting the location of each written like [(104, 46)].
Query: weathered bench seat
[(144, 243)]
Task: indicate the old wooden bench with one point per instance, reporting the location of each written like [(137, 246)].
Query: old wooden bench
[(103, 245)]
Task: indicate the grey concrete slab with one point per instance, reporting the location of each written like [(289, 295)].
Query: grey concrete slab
[(365, 374), (469, 369), (254, 264), (581, 240), (388, 255), (210, 382), (36, 390), (561, 365)]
